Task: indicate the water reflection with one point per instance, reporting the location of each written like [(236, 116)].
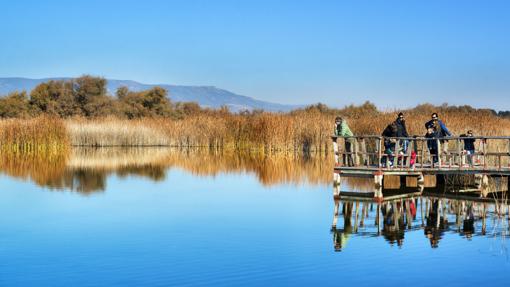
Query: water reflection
[(86, 169), (434, 215)]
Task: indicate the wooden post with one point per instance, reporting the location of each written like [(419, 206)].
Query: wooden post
[(423, 145), (335, 214), (508, 154), (439, 153), (356, 216), (484, 151), (378, 185), (355, 152), (396, 153), (379, 151), (408, 153), (460, 154), (335, 151), (438, 212), (364, 158)]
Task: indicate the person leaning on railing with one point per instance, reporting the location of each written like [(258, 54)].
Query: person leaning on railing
[(343, 130), (389, 134), (431, 136), (440, 130)]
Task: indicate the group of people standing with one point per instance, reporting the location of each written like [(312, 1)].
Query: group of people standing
[(396, 132)]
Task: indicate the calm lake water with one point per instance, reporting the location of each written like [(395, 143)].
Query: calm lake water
[(164, 217)]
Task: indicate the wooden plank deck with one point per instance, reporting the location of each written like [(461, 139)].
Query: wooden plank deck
[(371, 170)]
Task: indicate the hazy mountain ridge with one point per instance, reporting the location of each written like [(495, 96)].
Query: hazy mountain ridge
[(206, 96)]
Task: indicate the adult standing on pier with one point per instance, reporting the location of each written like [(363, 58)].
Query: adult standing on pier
[(400, 122), (343, 130), (440, 130)]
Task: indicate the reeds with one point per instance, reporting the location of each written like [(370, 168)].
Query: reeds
[(304, 130), (308, 131), (42, 135)]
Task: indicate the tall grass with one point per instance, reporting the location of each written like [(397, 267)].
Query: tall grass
[(308, 130), (267, 131), (41, 135)]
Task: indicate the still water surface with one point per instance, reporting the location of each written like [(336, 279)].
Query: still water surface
[(162, 217)]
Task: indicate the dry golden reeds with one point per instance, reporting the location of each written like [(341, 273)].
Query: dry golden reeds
[(42, 135), (307, 130)]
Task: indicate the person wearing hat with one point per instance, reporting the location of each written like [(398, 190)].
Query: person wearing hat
[(343, 130)]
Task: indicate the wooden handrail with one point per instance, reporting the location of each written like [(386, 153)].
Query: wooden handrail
[(378, 151)]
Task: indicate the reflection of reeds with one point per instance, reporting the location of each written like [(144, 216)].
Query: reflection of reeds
[(270, 169), (45, 170), (86, 169)]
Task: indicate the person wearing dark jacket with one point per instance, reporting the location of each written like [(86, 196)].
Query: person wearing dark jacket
[(389, 143), (432, 137), (401, 126), (440, 130), (469, 146), (400, 122), (439, 126)]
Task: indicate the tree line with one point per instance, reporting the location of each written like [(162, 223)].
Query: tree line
[(87, 96)]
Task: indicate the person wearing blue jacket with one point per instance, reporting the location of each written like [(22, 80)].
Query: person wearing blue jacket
[(438, 125), (440, 130)]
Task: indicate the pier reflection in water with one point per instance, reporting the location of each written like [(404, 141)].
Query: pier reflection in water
[(432, 215)]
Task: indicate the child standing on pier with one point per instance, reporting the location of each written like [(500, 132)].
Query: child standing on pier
[(432, 136), (469, 146)]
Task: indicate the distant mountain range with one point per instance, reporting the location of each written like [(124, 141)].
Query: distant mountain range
[(206, 96)]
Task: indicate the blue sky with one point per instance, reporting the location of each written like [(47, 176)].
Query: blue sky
[(393, 53)]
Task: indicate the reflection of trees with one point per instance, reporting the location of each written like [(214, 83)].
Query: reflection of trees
[(86, 169)]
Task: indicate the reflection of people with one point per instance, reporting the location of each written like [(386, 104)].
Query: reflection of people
[(393, 224), (343, 130), (341, 236), (468, 226), (436, 225)]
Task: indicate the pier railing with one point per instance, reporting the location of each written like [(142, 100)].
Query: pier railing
[(368, 152)]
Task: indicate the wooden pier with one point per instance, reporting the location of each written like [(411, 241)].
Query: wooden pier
[(411, 160)]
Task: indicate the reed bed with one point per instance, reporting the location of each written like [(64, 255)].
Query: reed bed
[(304, 130), (266, 131), (41, 135)]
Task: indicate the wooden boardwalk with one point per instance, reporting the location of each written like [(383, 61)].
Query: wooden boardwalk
[(378, 157)]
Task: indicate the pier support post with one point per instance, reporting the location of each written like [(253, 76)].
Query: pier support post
[(482, 184), (335, 215), (378, 185), (421, 179), (336, 184), (335, 151)]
